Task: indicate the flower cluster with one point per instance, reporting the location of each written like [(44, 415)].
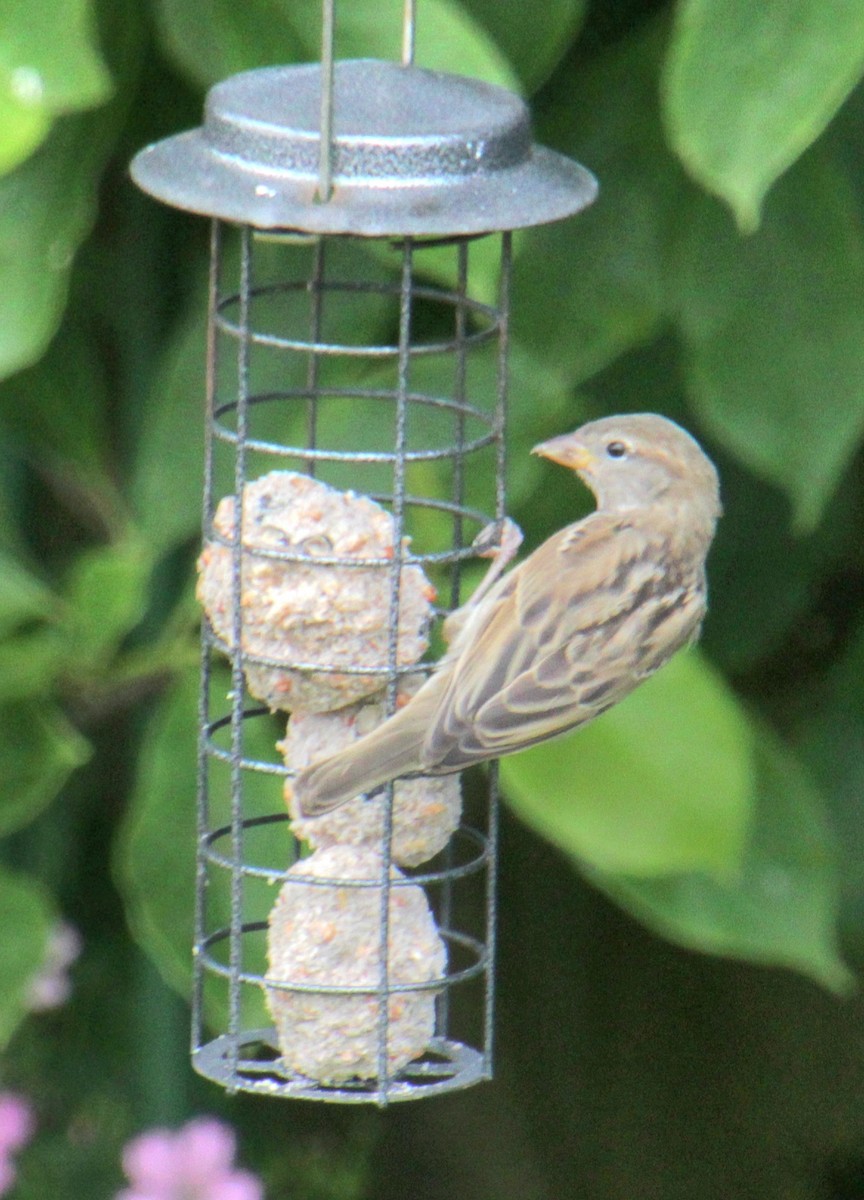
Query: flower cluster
[(16, 1129), (195, 1162), (51, 986)]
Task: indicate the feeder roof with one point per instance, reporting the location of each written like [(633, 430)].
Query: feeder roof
[(415, 153)]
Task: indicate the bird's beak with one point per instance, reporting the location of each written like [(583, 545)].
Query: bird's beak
[(567, 451)]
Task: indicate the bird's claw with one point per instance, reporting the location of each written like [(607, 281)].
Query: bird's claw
[(499, 542), (498, 538)]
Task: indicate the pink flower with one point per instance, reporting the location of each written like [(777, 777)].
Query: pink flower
[(192, 1163), (16, 1129), (50, 986)]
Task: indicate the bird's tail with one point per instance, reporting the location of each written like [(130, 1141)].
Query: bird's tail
[(390, 750)]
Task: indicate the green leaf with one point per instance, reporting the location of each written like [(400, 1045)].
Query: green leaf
[(30, 663), (782, 909), (31, 652), (155, 853), (748, 86), (210, 41), (23, 597), (587, 289), (167, 475), (51, 51), (773, 327), (22, 128), (26, 917), (57, 410), (663, 782), (39, 749), (47, 204), (532, 36), (49, 64), (46, 209), (448, 39), (106, 597)]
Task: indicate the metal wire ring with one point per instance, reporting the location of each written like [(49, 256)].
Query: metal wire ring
[(344, 349), (333, 989), (273, 875)]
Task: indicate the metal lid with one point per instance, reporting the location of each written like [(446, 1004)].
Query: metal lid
[(415, 152)]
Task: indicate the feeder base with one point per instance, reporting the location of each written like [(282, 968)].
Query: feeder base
[(446, 1066)]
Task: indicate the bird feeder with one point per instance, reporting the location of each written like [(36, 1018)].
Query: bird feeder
[(355, 448)]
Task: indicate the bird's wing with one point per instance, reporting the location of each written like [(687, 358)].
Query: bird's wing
[(568, 633)]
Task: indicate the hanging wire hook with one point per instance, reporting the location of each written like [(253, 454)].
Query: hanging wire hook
[(409, 25), (325, 160)]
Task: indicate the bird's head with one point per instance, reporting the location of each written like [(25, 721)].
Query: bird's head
[(638, 460)]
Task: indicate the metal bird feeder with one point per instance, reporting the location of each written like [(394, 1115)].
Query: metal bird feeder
[(313, 175)]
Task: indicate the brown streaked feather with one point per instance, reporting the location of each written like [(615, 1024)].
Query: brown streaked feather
[(526, 680)]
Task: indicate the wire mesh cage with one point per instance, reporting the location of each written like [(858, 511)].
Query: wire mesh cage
[(354, 473)]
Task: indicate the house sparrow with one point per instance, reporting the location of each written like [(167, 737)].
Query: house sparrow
[(571, 630)]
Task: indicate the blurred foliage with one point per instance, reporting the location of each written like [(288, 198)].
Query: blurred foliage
[(665, 784), (718, 279)]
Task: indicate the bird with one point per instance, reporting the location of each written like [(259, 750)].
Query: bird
[(567, 632)]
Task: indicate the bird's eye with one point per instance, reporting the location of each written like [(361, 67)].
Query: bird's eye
[(616, 449)]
